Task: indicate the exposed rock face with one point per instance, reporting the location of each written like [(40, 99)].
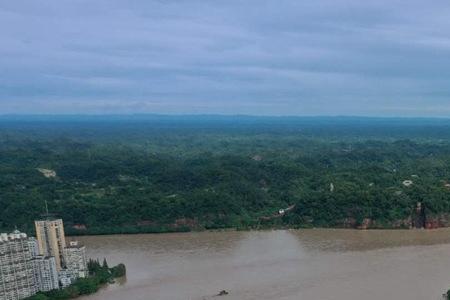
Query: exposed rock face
[(368, 223), (432, 224), (185, 222), (347, 223), (437, 221), (419, 219), (418, 216), (145, 223), (402, 223), (422, 219), (365, 224)]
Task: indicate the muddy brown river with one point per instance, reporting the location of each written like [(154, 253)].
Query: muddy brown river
[(316, 264)]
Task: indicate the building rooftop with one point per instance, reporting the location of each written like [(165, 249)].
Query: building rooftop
[(49, 218), (15, 235), (74, 244)]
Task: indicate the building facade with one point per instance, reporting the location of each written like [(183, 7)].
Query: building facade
[(34, 247), (30, 265), (45, 274), (76, 261), (16, 269), (65, 278), (51, 240)]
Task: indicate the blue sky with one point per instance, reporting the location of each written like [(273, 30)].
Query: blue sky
[(284, 57)]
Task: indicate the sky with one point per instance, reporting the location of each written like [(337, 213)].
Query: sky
[(255, 57)]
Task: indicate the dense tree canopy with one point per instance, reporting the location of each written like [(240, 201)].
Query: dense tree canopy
[(161, 175)]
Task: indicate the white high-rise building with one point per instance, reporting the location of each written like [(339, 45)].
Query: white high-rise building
[(16, 270), (45, 274), (76, 261), (29, 265)]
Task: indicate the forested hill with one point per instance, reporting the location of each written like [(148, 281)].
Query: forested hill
[(159, 173)]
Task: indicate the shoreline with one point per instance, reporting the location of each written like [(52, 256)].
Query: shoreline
[(255, 229)]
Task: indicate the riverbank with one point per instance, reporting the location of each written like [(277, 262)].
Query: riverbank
[(99, 275), (285, 220), (162, 230)]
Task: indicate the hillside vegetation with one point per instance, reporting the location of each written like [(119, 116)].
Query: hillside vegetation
[(160, 174)]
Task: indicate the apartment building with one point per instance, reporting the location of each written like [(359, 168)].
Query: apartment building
[(16, 270), (45, 274), (51, 240), (76, 261)]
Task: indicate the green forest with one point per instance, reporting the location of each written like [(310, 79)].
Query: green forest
[(160, 174)]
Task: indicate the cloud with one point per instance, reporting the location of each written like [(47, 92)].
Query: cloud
[(286, 57)]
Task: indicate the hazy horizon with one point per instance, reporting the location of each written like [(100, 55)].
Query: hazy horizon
[(144, 116), (214, 115)]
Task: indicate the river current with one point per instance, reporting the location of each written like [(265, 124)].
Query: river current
[(315, 264)]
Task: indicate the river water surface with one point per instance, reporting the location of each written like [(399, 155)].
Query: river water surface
[(316, 264)]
